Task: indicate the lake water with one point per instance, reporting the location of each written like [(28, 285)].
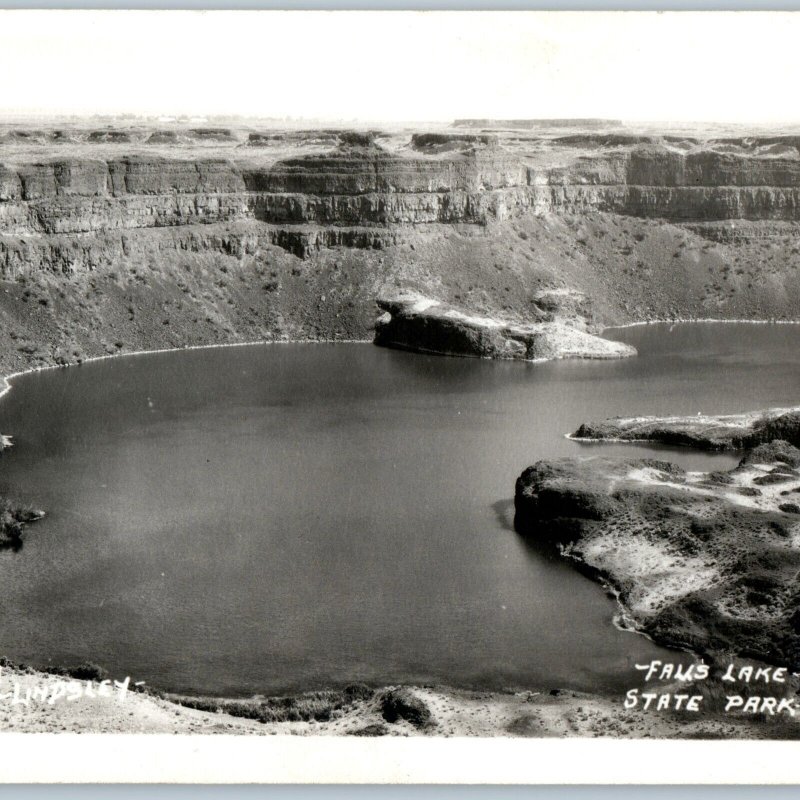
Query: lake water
[(284, 517)]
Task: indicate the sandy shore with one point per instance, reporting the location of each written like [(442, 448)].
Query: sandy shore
[(454, 712), (695, 320)]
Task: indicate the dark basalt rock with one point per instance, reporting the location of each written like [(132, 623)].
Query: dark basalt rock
[(560, 490), (772, 478), (749, 491), (375, 729), (444, 141)]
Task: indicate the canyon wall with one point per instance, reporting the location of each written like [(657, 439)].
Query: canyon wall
[(292, 234), (365, 186)]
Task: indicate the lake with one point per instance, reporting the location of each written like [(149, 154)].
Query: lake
[(275, 518)]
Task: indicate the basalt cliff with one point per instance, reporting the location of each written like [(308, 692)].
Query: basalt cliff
[(119, 239)]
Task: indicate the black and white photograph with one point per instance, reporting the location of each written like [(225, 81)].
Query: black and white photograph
[(391, 375)]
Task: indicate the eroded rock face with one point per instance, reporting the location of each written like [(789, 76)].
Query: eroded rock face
[(703, 560), (413, 322), (360, 183), (354, 185), (722, 432)]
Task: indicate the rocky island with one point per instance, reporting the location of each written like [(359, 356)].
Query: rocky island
[(13, 519), (415, 322)]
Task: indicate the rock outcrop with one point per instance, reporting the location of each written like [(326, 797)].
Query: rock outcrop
[(442, 142), (707, 561), (722, 432), (13, 516), (418, 323)]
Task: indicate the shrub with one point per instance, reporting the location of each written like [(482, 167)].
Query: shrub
[(87, 672), (402, 704)]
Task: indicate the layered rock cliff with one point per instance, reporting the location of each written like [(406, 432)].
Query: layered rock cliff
[(368, 186)]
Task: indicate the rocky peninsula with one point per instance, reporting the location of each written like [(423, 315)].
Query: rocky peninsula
[(704, 432), (705, 561)]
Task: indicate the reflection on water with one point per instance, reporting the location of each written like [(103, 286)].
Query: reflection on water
[(290, 516)]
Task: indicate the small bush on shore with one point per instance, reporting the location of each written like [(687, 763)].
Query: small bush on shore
[(87, 671), (401, 703), (317, 706), (375, 729)]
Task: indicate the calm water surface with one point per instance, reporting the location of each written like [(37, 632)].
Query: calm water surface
[(283, 517)]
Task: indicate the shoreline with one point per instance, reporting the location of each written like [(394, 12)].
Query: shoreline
[(5, 386), (6, 379), (618, 440), (401, 711), (698, 320)]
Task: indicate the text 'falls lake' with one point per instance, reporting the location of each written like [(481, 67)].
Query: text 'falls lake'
[(285, 517)]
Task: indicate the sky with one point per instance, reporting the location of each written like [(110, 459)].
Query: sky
[(403, 66)]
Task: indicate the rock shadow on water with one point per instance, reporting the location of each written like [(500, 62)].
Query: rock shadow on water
[(12, 544), (503, 510), (535, 547)]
